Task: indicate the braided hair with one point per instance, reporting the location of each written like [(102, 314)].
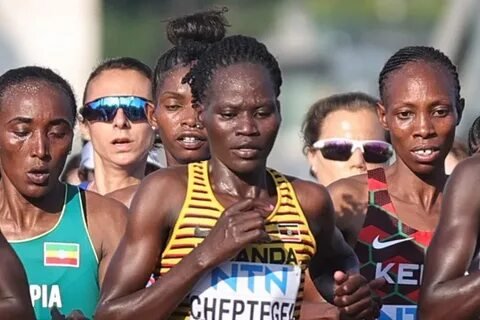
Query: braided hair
[(191, 35), (28, 74), (231, 50), (474, 137), (414, 54)]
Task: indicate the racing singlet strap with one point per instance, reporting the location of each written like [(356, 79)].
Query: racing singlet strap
[(61, 264), (388, 248), (264, 279)]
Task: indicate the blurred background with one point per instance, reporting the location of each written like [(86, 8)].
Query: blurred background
[(323, 46)]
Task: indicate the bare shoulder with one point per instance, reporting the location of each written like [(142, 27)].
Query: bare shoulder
[(161, 194), (7, 253), (124, 195), (101, 208), (349, 191), (461, 193), (467, 172), (313, 197), (350, 202), (165, 182)]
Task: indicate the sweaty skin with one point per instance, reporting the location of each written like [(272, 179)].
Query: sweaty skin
[(14, 296), (175, 119), (446, 289), (125, 195), (118, 165), (240, 183), (361, 124), (420, 110), (37, 135)]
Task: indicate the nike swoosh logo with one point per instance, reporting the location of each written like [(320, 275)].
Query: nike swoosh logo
[(385, 244)]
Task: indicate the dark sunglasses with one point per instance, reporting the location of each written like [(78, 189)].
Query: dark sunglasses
[(105, 108), (339, 149)]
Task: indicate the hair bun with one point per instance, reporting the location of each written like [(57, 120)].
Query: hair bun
[(208, 26)]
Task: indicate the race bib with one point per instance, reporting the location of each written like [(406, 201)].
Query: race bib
[(245, 291), (398, 312)]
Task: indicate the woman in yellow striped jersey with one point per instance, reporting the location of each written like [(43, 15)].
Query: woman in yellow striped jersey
[(231, 238)]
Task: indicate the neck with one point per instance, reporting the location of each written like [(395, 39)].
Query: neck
[(25, 212), (170, 159), (423, 190), (247, 185), (110, 177)]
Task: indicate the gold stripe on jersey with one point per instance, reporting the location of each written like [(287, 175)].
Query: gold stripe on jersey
[(291, 239)]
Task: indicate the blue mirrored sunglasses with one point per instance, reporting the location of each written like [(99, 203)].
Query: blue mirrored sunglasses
[(105, 108)]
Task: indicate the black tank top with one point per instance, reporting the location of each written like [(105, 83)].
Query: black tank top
[(388, 248)]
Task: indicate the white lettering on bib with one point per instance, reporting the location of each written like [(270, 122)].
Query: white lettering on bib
[(46, 295), (244, 291), (398, 312)]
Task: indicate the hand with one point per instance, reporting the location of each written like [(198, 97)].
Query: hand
[(355, 298), (74, 315), (374, 285), (239, 225)]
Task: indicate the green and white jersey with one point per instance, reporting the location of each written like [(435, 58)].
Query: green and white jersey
[(61, 264)]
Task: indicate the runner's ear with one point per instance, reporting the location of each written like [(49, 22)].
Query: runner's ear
[(382, 115)]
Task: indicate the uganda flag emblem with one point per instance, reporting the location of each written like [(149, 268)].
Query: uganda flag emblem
[(58, 254), (289, 232)]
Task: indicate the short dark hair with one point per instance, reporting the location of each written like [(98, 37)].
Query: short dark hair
[(231, 50), (191, 35), (474, 137), (315, 117), (14, 77), (121, 63), (415, 54)]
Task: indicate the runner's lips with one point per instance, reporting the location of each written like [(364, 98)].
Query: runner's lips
[(247, 145), (426, 153), (39, 170), (425, 147), (121, 140), (191, 134), (247, 151), (191, 140), (39, 175)]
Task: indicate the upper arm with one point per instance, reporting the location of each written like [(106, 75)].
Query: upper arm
[(320, 212), (147, 228), (14, 295), (124, 195), (106, 224), (455, 239), (318, 209), (332, 250), (350, 203), (11, 269)]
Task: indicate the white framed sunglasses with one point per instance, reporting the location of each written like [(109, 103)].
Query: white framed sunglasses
[(341, 149)]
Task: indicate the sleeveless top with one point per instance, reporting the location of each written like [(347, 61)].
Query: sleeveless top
[(388, 248), (265, 280), (61, 264)]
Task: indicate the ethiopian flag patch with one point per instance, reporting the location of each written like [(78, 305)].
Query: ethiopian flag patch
[(59, 254)]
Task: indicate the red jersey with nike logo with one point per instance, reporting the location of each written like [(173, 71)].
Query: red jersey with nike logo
[(388, 248)]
